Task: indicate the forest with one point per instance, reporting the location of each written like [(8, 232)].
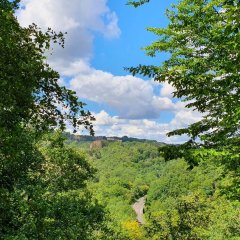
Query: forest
[(182, 201), (53, 186)]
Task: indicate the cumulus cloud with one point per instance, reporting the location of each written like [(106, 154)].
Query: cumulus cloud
[(80, 19), (167, 90), (135, 101), (144, 128), (131, 97)]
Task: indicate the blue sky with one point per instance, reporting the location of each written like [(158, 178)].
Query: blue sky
[(133, 23), (104, 36)]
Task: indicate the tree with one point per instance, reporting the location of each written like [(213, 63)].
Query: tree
[(203, 39), (53, 201), (186, 204), (31, 100), (29, 89), (42, 188), (138, 3)]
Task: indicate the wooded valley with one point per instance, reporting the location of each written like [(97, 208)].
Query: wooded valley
[(53, 186)]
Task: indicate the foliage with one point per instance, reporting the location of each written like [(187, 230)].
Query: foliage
[(203, 41), (137, 3), (53, 201), (186, 204), (42, 184), (134, 230), (124, 173), (29, 89), (49, 190), (182, 201), (194, 217)]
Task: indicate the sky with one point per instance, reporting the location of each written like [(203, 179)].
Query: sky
[(103, 37)]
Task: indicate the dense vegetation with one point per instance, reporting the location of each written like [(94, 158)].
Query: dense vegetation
[(55, 190), (202, 40), (42, 182), (182, 202)]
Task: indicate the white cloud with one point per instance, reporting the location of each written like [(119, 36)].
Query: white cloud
[(135, 102), (134, 99), (104, 119), (80, 18), (143, 128), (185, 117), (130, 96), (74, 68), (163, 103), (167, 90)]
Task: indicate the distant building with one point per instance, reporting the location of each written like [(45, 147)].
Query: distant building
[(116, 139), (88, 138)]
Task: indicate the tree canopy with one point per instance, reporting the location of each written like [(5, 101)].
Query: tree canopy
[(42, 182), (182, 202), (49, 190), (29, 89), (203, 39)]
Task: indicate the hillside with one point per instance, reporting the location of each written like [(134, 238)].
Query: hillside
[(88, 138), (61, 186), (181, 201)]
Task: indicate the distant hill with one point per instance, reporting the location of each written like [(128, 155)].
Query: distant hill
[(87, 138)]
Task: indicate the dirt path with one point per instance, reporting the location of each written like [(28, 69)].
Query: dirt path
[(138, 208)]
